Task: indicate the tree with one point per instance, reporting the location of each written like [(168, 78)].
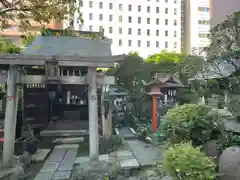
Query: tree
[(22, 12)]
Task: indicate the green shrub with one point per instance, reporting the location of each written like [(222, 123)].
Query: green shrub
[(183, 161), (191, 122)]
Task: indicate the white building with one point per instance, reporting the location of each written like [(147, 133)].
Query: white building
[(197, 25), (145, 26)]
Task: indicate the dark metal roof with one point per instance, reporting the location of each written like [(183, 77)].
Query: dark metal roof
[(68, 46), (218, 70)]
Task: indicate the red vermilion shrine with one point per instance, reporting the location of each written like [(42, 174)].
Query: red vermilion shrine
[(163, 90)]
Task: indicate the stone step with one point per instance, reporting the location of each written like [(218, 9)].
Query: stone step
[(63, 133), (74, 140)]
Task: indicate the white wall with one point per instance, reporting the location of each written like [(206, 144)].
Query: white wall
[(195, 27), (134, 37)]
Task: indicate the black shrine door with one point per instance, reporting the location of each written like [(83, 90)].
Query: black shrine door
[(35, 105)]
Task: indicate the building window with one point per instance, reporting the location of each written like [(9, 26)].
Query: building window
[(175, 1), (120, 42), (175, 44), (129, 7), (166, 22), (110, 17), (166, 10), (157, 10), (120, 7), (148, 43), (90, 4), (129, 31), (139, 8), (166, 1), (203, 22), (204, 9), (129, 43), (120, 30), (175, 22), (166, 45), (157, 44), (120, 18), (203, 35), (139, 31), (110, 6), (100, 17), (175, 11), (90, 16), (100, 5), (148, 20), (139, 43), (148, 32), (166, 33), (129, 19), (101, 29), (139, 20), (148, 9), (90, 28), (157, 32), (110, 30), (175, 33), (157, 21)]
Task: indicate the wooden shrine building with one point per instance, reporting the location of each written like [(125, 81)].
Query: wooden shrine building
[(58, 75)]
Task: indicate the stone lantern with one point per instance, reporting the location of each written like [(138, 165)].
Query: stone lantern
[(163, 90)]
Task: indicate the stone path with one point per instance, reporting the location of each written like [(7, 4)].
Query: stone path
[(146, 154), (59, 164), (126, 133)]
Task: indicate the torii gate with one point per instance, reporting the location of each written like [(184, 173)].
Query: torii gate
[(15, 77)]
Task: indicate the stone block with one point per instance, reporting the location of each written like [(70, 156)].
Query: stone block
[(80, 160), (129, 163), (44, 176), (125, 155), (104, 157), (61, 175), (50, 167), (40, 155)]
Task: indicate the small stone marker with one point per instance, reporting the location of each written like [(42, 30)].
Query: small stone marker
[(40, 155)]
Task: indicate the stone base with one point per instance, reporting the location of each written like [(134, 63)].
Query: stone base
[(40, 155)]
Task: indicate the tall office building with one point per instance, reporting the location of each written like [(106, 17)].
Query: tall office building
[(195, 25), (145, 26), (220, 9)]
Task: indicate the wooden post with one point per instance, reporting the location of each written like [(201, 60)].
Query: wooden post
[(154, 113), (10, 117)]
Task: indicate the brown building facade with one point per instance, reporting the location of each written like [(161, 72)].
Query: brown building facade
[(220, 9)]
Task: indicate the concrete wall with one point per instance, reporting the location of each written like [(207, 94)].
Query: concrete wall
[(222, 8)]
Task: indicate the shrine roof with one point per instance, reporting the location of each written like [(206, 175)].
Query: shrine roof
[(60, 43), (162, 79)]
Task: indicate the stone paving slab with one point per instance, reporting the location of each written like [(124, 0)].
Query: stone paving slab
[(64, 175), (57, 155), (50, 167), (86, 159), (40, 155), (145, 154), (44, 176), (68, 160)]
